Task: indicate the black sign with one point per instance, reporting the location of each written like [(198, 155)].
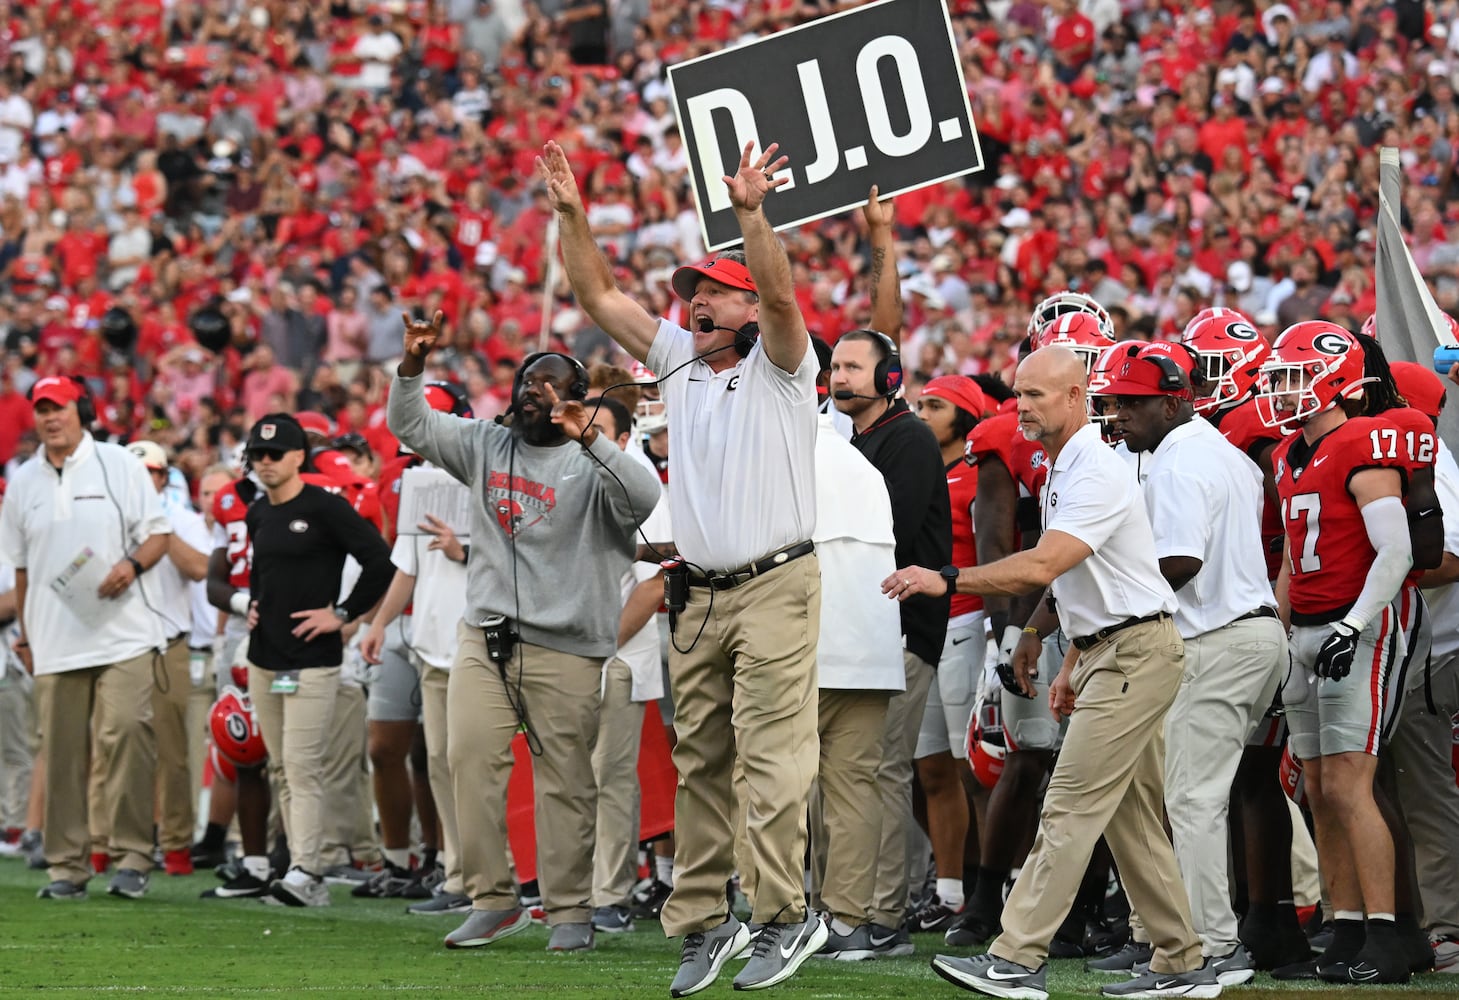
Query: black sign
[(874, 95)]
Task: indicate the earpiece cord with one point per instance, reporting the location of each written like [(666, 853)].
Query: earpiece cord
[(518, 702), (160, 680)]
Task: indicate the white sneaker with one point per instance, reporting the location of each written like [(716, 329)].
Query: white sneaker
[(299, 888)]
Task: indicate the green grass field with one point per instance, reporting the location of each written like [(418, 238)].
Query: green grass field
[(174, 944)]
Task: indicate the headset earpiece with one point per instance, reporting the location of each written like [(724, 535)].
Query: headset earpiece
[(85, 404), (1172, 379), (886, 378)]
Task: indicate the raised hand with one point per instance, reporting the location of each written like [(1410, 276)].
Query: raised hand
[(571, 415), (755, 179), (562, 186), (443, 539), (420, 335), (878, 213)]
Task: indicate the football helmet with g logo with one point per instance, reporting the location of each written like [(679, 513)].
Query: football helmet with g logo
[(1231, 352), (1313, 365)]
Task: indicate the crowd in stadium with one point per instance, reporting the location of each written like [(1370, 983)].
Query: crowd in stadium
[(277, 249)]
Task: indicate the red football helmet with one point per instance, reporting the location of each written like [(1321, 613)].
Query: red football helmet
[(222, 766), (1231, 354), (448, 397), (1291, 774), (1080, 332), (986, 750), (1313, 365), (235, 729), (1063, 304), (239, 673)]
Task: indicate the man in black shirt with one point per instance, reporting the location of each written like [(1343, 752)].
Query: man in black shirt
[(865, 378), (301, 537)]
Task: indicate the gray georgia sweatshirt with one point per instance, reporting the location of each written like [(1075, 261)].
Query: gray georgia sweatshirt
[(574, 525)]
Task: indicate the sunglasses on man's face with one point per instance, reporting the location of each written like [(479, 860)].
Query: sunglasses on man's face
[(272, 454)]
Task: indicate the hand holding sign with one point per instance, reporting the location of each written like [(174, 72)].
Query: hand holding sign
[(753, 181)]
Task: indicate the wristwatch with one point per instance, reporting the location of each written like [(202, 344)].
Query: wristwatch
[(342, 615), (949, 573)]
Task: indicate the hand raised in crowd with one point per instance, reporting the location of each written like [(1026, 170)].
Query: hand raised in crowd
[(879, 213), (562, 186), (443, 539), (571, 415), (122, 576), (315, 622), (421, 335), (754, 180), (372, 645)]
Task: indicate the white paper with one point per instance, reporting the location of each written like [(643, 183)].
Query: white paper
[(78, 584), (434, 492)]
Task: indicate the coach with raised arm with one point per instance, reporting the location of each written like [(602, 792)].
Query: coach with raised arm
[(555, 511)]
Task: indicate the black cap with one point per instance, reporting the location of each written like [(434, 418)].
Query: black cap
[(277, 432)]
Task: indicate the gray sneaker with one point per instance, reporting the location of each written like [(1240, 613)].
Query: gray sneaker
[(571, 937), (128, 883), (889, 943), (994, 976), (1201, 982), (1125, 960), (852, 947), (348, 875), (485, 926), (61, 889), (617, 919), (441, 903), (1233, 969), (299, 888), (704, 954), (779, 951)]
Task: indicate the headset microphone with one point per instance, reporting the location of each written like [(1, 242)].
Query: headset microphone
[(845, 394)]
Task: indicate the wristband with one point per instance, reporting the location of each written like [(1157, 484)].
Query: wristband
[(136, 566), (1030, 630), (238, 603)]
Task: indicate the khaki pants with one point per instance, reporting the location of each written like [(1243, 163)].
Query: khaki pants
[(615, 769), (895, 857), (18, 742), (1109, 780), (103, 713), (1422, 748), (846, 815), (171, 690), (349, 826), (296, 729), (560, 694), (746, 691), (1229, 678), (433, 688)]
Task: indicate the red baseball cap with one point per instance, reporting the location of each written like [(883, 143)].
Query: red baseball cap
[(56, 389), (960, 391), (725, 270), (1421, 387), (315, 423), (1138, 375)]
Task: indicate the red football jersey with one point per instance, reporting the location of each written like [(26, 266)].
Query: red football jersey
[(962, 488), (1326, 538), (229, 509), (1026, 461), (389, 490), (1242, 426)]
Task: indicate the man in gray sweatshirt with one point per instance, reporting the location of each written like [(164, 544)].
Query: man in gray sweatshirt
[(554, 511)]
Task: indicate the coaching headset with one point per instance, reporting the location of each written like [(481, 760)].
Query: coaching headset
[(1173, 378), (886, 377), (85, 403), (577, 390)]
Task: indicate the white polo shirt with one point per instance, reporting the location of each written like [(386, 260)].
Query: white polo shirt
[(1205, 500), (167, 589), (439, 602), (1444, 601), (742, 467), (860, 646), (1091, 494), (76, 524)]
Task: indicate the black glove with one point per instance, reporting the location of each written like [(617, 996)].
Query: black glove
[(1003, 665), (1335, 655)]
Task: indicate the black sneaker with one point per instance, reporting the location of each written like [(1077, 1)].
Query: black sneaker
[(1296, 971), (890, 942), (932, 917), (852, 947), (388, 883), (1274, 940), (1372, 965), (1122, 962), (971, 929), (241, 886), (649, 902), (204, 856)]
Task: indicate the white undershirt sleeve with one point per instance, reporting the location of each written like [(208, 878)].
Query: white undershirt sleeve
[(1387, 524)]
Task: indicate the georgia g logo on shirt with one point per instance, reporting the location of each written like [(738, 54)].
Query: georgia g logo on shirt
[(299, 527)]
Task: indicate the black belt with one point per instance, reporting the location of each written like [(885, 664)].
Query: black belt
[(200, 649), (735, 577), (176, 638), (1262, 612), (1083, 642)]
